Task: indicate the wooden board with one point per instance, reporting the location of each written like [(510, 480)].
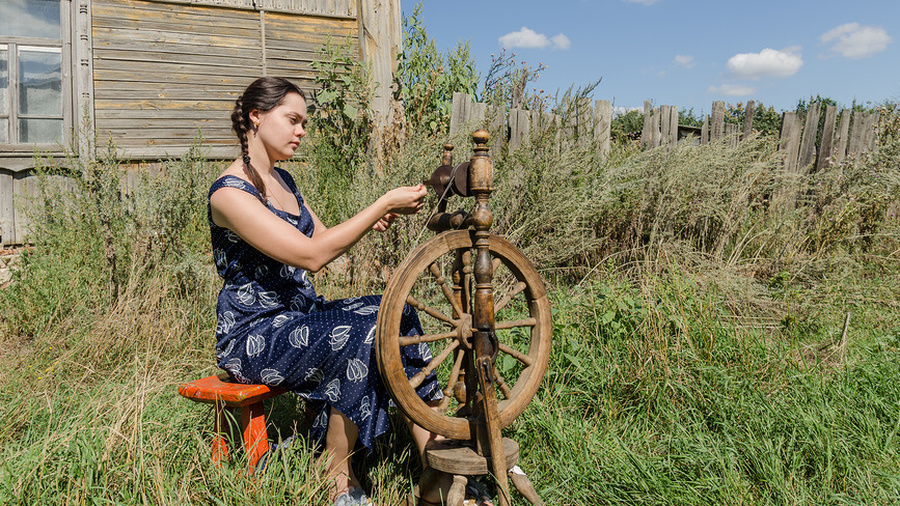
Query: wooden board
[(166, 73)]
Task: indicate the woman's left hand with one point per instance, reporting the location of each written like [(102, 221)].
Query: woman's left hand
[(384, 223)]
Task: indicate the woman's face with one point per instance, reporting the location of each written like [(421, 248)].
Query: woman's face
[(280, 129)]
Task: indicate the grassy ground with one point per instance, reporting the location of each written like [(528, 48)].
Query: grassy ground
[(699, 350)]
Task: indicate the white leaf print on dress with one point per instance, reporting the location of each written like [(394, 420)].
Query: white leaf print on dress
[(314, 376), (262, 271), (297, 303), (425, 352), (225, 323), (333, 390), (233, 366), (299, 337), (304, 282), (229, 348), (255, 345), (268, 299), (219, 256), (321, 420), (339, 337), (357, 370), (271, 377), (406, 309), (365, 311), (246, 295), (370, 337), (365, 408), (351, 307), (231, 236), (280, 320), (287, 271)]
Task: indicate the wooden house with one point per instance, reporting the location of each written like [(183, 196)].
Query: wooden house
[(152, 75)]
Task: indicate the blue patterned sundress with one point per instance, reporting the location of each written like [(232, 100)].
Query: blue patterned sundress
[(272, 328)]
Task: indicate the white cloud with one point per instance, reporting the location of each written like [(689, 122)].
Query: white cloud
[(766, 63), (732, 90), (684, 60), (561, 42), (528, 38), (855, 41), (643, 2)]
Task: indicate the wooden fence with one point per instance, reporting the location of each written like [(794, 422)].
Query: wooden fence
[(808, 143)]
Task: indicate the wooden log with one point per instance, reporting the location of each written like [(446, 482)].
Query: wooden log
[(602, 124), (717, 123), (826, 146), (810, 134), (748, 119), (646, 131), (841, 136)]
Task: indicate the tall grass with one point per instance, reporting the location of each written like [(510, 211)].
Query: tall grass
[(698, 350)]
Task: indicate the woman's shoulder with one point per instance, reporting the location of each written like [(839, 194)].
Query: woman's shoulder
[(230, 178)]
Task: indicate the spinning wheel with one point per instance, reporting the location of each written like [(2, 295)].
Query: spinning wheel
[(436, 280), (486, 321)]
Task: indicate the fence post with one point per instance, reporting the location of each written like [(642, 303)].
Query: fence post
[(519, 128), (843, 134), (646, 131), (826, 146), (748, 119), (602, 123), (810, 133), (717, 124), (704, 131)]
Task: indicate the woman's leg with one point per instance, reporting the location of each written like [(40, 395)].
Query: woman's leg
[(433, 485), (339, 442)]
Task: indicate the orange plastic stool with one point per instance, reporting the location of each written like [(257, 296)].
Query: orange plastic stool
[(220, 391)]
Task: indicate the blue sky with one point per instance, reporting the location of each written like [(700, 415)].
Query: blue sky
[(687, 53)]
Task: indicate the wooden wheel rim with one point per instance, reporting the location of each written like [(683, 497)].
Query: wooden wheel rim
[(387, 338)]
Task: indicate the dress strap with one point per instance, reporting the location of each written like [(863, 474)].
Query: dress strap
[(230, 181)]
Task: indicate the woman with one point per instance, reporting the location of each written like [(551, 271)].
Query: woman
[(272, 327)]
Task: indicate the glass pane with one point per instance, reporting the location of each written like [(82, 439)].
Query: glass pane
[(40, 81), (30, 18), (4, 80), (41, 130)]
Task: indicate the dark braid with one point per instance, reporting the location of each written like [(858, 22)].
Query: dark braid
[(263, 95)]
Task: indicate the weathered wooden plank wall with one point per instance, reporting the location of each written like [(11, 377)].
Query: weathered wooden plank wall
[(165, 73)]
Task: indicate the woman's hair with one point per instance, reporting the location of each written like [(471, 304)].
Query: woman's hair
[(264, 94)]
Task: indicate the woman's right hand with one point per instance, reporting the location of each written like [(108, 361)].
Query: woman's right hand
[(406, 199)]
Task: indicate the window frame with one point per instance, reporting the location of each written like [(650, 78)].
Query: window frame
[(12, 117)]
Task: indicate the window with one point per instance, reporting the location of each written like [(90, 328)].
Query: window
[(32, 87)]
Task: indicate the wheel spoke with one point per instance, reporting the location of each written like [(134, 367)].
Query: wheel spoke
[(421, 306), (516, 290), (495, 264), (448, 291), (504, 388), (525, 322), (426, 338), (417, 380), (521, 357), (454, 377)]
